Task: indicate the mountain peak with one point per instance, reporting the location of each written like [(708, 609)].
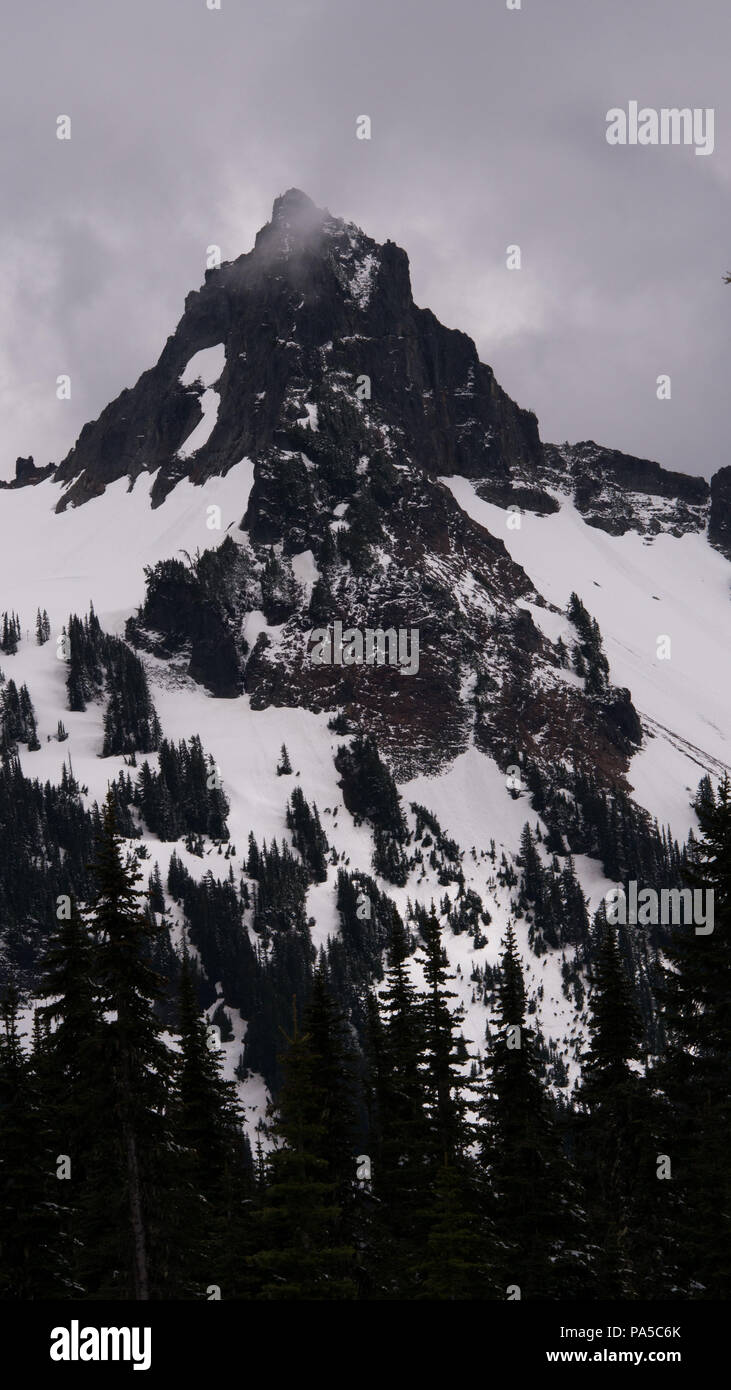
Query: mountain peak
[(291, 203), (316, 312), (317, 304), (296, 223)]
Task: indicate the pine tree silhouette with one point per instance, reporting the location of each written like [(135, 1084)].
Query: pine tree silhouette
[(399, 1125), (33, 1215), (299, 1255), (695, 1076), (445, 1104), (615, 1137), (536, 1206), (284, 767), (129, 1217), (217, 1165)]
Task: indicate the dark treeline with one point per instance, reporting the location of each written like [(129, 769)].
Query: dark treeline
[(98, 663), (386, 1173), (370, 793), (48, 834), (185, 795), (47, 837), (17, 718), (11, 633)]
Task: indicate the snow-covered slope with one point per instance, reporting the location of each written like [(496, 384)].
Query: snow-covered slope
[(642, 591), (219, 441), (96, 553)]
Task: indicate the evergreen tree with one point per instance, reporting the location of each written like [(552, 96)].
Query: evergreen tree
[(458, 1250), (184, 795), (369, 790), (43, 627), (389, 859), (321, 598), (284, 767), (400, 1131), (616, 1148), (87, 647), (78, 1095), (458, 1254), (335, 1094), (17, 718), (695, 1076), (299, 1255), (131, 1223), (279, 589), (444, 1082), (537, 1212), (130, 721), (156, 894), (589, 657), (33, 1218), (252, 861), (69, 971), (574, 918), (10, 633), (531, 865), (308, 835), (47, 836), (216, 1159)]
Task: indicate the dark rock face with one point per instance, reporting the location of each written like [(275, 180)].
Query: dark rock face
[(26, 474), (719, 522), (636, 475), (180, 615), (510, 494), (314, 307), (25, 469), (617, 492), (427, 551), (622, 717)]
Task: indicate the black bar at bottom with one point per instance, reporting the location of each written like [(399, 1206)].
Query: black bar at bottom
[(214, 1342)]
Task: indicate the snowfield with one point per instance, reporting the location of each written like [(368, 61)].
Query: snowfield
[(97, 553), (637, 591)]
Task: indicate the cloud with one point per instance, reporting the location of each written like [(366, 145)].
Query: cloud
[(487, 130)]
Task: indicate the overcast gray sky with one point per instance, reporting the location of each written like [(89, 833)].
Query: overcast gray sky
[(488, 129)]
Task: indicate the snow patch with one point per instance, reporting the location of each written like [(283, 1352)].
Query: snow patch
[(205, 366), (305, 571), (362, 280)]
